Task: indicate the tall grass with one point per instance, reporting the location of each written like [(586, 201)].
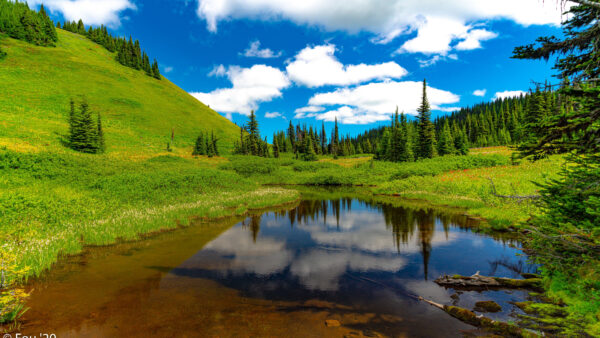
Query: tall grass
[(53, 204)]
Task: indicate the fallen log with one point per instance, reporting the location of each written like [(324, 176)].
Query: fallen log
[(478, 281), (469, 317)]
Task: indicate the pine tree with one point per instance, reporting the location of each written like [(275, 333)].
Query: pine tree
[(335, 142), (85, 135), (445, 142), (200, 146), (405, 152), (460, 143), (426, 137), (275, 148), (309, 150), (571, 202), (155, 70)]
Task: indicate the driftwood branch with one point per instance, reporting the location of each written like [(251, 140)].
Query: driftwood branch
[(479, 281), (517, 197)]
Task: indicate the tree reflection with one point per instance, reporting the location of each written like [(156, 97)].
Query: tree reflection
[(406, 225)]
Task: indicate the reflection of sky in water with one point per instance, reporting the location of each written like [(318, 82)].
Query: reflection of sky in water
[(318, 243), (328, 250)]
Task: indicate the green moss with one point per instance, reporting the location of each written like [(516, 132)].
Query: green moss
[(487, 306)]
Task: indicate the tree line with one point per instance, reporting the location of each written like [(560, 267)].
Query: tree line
[(20, 22), (129, 52)]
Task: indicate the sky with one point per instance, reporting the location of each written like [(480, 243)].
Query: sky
[(312, 61)]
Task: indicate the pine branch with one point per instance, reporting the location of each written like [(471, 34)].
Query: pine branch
[(585, 2)]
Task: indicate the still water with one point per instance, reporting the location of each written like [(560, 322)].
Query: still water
[(280, 273)]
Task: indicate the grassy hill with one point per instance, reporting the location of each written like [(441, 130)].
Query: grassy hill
[(138, 111)]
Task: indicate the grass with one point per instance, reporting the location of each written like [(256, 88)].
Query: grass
[(54, 204), (138, 111), (472, 190)]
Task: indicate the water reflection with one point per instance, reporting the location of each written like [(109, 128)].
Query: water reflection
[(317, 245), (279, 274)]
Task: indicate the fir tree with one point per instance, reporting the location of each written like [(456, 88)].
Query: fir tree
[(275, 148), (155, 70), (309, 150), (445, 142), (426, 138), (200, 146)]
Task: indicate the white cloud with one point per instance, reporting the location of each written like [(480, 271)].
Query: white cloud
[(377, 101), (254, 51), (449, 109), (272, 115), (310, 111), (168, 69), (439, 23), (251, 86), (509, 93), (474, 38), (480, 92), (92, 12), (219, 70), (317, 66)]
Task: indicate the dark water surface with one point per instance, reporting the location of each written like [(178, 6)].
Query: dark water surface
[(280, 273)]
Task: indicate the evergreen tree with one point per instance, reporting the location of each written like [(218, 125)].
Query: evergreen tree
[(200, 146), (571, 202), (155, 70), (275, 148), (445, 142), (404, 152), (426, 138), (335, 141), (85, 135), (460, 143), (309, 150)]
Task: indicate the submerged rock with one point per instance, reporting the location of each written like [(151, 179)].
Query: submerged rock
[(487, 306)]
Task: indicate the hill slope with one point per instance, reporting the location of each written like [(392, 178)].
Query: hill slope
[(138, 111)]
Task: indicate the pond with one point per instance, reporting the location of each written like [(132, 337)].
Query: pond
[(358, 262)]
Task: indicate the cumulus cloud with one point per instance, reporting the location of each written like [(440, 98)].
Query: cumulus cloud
[(509, 93), (309, 111), (480, 92), (473, 39), (377, 101), (440, 25), (92, 12), (254, 50), (250, 86), (272, 115), (317, 66)]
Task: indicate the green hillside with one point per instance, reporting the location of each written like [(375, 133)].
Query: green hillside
[(138, 111)]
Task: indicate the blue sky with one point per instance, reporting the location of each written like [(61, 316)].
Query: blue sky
[(311, 61)]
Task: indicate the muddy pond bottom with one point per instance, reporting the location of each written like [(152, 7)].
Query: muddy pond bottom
[(334, 267)]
